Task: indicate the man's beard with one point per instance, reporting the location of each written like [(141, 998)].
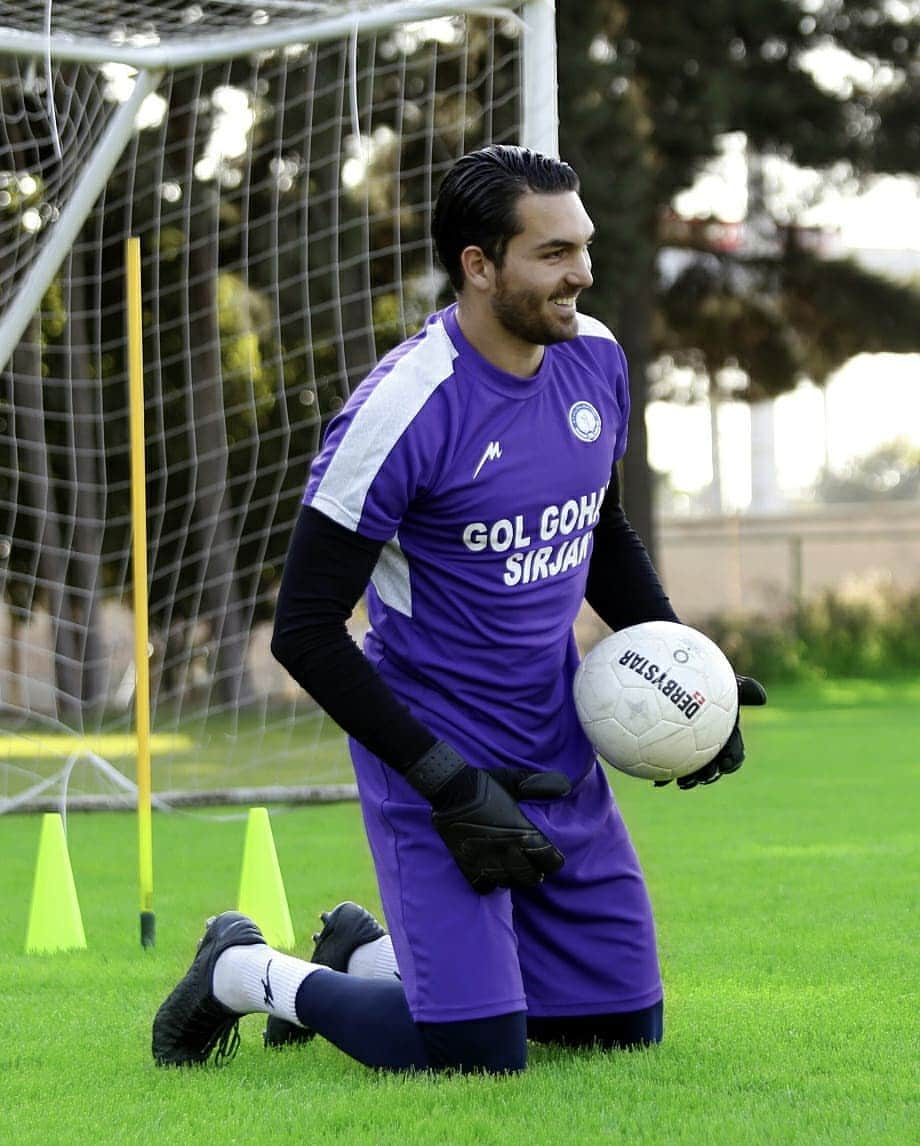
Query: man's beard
[(521, 314)]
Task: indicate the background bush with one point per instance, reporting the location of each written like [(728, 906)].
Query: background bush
[(859, 631)]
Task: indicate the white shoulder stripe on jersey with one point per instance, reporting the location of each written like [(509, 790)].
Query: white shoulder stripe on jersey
[(591, 328), (391, 578), (377, 426)]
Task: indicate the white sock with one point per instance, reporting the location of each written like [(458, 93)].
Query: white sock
[(374, 960), (259, 978)]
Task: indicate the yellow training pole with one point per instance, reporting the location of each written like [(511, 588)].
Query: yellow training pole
[(139, 554)]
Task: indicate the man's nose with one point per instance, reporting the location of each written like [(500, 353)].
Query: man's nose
[(580, 274)]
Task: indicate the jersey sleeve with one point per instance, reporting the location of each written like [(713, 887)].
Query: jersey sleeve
[(381, 451)]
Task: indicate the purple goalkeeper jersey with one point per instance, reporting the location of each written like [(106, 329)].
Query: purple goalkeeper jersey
[(485, 487)]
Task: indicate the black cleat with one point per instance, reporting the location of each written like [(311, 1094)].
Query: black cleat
[(345, 928), (191, 1023)]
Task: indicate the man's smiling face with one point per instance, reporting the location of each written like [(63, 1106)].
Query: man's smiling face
[(544, 269)]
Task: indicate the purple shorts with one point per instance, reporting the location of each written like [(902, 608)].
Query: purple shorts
[(581, 943)]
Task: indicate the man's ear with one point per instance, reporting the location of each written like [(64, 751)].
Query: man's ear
[(478, 269)]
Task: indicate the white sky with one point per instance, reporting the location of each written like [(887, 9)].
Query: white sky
[(873, 399), (885, 214)]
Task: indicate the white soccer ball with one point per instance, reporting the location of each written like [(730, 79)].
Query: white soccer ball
[(657, 700)]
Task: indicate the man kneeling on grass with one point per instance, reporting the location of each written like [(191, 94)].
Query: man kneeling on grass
[(470, 487)]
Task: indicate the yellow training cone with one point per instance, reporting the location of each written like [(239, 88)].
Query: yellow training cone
[(55, 923), (262, 894)]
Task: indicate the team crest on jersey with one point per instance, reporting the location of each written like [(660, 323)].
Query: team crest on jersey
[(585, 421)]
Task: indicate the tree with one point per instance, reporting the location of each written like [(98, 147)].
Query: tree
[(646, 91)]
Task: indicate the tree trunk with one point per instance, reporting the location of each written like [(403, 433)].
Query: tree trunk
[(84, 573), (765, 492), (209, 550), (635, 335), (215, 536), (43, 533), (714, 498)]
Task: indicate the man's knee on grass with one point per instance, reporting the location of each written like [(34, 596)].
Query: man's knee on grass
[(630, 1030), (496, 1045), (370, 1021)]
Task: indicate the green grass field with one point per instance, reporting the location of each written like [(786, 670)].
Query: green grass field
[(785, 899)]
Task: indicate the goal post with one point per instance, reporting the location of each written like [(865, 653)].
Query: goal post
[(278, 164), (27, 298)]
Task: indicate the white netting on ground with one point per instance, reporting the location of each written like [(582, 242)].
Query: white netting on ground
[(282, 201)]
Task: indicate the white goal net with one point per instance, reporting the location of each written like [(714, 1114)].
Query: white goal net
[(278, 162)]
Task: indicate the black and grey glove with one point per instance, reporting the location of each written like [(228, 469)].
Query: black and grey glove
[(731, 756), (476, 814)]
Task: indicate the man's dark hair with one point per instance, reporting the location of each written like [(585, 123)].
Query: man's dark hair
[(477, 201)]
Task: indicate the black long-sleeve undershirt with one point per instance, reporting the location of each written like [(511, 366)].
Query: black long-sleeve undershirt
[(623, 586), (328, 568)]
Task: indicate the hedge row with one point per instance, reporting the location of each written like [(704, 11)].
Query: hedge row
[(873, 633)]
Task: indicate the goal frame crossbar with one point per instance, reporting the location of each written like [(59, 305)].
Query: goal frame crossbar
[(184, 51)]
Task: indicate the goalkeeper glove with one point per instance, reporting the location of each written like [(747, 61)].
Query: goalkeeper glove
[(731, 756), (476, 814)]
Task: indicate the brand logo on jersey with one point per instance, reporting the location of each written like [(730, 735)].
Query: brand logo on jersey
[(493, 452), (585, 421)]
